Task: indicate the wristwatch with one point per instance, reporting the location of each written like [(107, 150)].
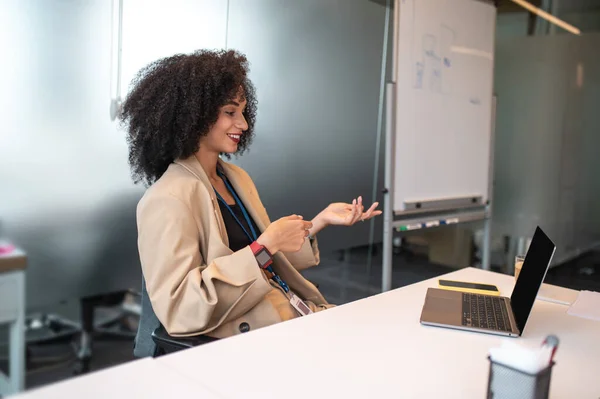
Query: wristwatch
[(262, 255)]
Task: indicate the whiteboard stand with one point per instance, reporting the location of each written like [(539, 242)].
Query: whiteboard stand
[(442, 65), (426, 218)]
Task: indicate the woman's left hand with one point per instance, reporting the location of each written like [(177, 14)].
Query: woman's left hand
[(342, 214)]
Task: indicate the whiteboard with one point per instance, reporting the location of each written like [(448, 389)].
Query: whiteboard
[(444, 83)]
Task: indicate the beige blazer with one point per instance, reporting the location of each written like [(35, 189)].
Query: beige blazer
[(196, 284)]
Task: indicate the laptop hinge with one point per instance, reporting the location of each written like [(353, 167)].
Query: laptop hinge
[(511, 316)]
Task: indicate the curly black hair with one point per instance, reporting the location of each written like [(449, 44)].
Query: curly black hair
[(174, 101)]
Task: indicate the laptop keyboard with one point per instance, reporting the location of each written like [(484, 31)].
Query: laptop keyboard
[(484, 311)]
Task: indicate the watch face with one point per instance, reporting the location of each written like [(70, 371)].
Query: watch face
[(262, 257)]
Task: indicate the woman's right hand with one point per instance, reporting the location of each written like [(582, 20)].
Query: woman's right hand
[(286, 234)]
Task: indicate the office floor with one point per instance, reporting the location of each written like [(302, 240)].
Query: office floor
[(341, 279)]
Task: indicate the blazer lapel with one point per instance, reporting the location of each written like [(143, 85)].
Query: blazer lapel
[(192, 165)]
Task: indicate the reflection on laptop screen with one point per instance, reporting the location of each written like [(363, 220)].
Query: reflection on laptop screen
[(531, 277)]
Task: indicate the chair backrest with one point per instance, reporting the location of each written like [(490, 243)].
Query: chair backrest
[(144, 345)]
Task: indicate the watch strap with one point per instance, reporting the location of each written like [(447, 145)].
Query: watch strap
[(262, 255)]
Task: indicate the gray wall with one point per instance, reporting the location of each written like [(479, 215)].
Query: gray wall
[(547, 136), (66, 195), (316, 65), (583, 14)]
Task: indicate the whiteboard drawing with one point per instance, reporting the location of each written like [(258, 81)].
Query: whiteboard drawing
[(431, 69), (427, 66), (448, 36)]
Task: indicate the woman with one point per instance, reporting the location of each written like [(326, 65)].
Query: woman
[(212, 261)]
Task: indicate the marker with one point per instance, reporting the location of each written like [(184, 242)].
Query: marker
[(411, 227), (431, 223)]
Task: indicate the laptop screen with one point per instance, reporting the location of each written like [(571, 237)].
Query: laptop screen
[(531, 276)]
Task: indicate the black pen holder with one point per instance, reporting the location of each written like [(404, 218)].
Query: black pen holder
[(506, 382)]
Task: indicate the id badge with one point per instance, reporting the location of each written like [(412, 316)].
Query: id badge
[(300, 306)]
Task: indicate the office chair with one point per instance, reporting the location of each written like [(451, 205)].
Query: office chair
[(152, 340), (116, 328), (167, 344)]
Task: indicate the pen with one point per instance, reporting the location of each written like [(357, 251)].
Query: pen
[(551, 342)]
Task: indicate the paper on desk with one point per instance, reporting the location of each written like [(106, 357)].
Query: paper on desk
[(587, 305), (556, 294), (527, 359)]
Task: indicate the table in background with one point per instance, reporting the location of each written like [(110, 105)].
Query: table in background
[(12, 312), (376, 347)]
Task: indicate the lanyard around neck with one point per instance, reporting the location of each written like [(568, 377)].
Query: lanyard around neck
[(252, 237)]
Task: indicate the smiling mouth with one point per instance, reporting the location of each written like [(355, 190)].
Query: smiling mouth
[(234, 137)]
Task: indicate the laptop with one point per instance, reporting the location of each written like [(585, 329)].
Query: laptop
[(493, 314)]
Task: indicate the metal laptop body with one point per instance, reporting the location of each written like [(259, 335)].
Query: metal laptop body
[(452, 309)]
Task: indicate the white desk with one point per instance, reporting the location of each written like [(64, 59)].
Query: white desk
[(12, 312), (143, 378), (376, 348)]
